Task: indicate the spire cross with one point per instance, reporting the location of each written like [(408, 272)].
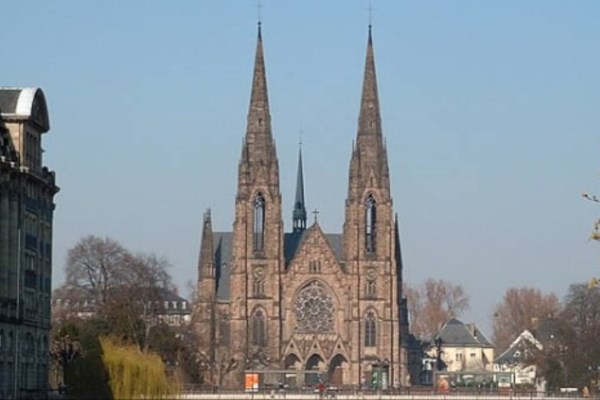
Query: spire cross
[(300, 141), (370, 13), (259, 7), (316, 213)]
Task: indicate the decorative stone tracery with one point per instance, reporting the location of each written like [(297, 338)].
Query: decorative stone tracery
[(314, 309)]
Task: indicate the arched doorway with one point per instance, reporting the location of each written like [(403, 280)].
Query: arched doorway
[(336, 370), (315, 364), (292, 363)]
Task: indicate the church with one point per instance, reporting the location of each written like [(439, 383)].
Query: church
[(305, 306)]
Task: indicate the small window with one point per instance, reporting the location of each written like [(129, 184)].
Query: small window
[(314, 267), (258, 287), (371, 290), (459, 357)]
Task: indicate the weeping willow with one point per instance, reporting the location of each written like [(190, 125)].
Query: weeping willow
[(133, 374)]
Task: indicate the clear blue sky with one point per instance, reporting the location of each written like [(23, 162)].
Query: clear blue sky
[(491, 112)]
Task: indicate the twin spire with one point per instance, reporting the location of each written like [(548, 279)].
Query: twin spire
[(259, 146)]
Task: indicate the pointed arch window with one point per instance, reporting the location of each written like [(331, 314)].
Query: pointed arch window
[(371, 290), (370, 224), (259, 328), (370, 329), (259, 222)]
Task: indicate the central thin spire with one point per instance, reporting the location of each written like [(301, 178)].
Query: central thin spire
[(299, 215)]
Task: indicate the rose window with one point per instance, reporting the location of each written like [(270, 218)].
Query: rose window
[(314, 309)]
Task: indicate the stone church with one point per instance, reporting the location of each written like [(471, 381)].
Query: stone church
[(305, 306)]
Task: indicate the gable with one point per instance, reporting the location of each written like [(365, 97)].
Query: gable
[(314, 246)]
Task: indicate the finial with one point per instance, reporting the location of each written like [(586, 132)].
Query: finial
[(315, 213), (259, 7), (370, 16), (300, 141)]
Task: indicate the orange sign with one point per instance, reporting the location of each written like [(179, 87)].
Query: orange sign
[(251, 383)]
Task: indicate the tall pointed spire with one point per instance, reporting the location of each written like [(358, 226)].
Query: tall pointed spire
[(299, 216), (368, 167), (369, 121), (259, 148), (259, 100)]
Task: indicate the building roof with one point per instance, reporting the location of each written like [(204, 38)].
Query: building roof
[(223, 245), (456, 333), (515, 352), (24, 103)]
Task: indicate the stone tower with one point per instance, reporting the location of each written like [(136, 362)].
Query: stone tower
[(370, 240), (257, 254)]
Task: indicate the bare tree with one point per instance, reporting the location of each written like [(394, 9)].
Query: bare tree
[(520, 309), (137, 302), (124, 289), (432, 304), (95, 266)]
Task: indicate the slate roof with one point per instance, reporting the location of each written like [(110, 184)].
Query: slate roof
[(24, 103), (223, 244), (512, 355), (17, 102), (517, 349), (456, 333), (8, 100)]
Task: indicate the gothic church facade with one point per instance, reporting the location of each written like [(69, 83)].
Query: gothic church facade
[(327, 306)]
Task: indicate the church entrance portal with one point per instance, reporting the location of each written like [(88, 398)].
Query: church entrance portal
[(336, 370), (314, 363)]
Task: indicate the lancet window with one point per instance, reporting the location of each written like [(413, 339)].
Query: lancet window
[(370, 329), (259, 328), (259, 222), (370, 224)]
